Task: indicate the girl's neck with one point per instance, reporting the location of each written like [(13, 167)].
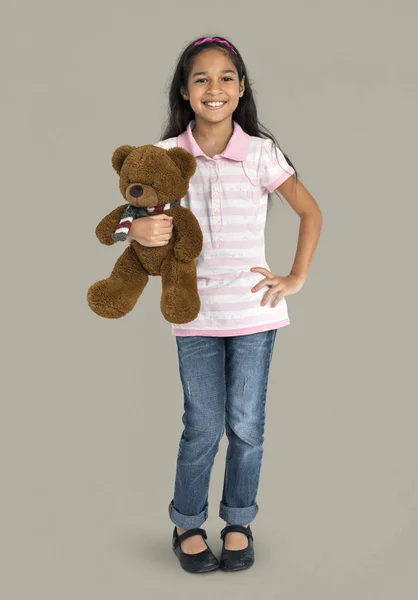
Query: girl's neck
[(212, 138)]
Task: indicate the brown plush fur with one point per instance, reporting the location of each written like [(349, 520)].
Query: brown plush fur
[(164, 176)]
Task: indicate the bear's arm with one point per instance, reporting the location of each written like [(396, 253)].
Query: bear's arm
[(108, 225), (189, 236)]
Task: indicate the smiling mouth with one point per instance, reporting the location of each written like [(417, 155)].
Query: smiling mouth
[(216, 105)]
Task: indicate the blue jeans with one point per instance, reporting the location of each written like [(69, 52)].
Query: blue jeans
[(225, 386)]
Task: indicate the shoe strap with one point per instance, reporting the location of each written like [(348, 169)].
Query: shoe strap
[(240, 528), (189, 533)]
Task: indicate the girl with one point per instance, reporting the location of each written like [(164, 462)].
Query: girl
[(225, 353)]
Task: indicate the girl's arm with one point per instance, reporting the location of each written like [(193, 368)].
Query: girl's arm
[(305, 205)]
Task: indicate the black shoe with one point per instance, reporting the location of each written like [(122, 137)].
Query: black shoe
[(235, 560), (195, 563)]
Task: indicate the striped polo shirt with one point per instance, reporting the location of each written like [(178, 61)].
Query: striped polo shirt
[(228, 195)]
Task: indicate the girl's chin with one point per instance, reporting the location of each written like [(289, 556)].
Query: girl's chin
[(207, 114)]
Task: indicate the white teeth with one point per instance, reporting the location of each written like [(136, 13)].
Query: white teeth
[(214, 103)]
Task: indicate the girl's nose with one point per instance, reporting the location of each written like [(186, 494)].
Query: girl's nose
[(213, 88)]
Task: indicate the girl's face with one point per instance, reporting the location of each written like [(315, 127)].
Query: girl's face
[(213, 77)]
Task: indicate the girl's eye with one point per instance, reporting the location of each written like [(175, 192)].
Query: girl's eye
[(203, 79)]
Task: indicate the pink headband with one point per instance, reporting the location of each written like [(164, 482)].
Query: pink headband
[(215, 39)]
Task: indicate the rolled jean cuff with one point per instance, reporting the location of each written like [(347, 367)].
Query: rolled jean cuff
[(238, 516), (187, 521)]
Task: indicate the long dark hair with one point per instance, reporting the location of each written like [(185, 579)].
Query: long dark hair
[(180, 112)]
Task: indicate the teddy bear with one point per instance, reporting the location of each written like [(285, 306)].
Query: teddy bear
[(151, 180)]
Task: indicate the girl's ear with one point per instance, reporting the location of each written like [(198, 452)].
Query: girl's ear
[(184, 93), (119, 156), (242, 86)]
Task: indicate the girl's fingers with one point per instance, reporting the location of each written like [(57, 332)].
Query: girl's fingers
[(259, 285)]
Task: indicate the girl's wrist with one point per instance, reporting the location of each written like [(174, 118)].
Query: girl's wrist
[(298, 276)]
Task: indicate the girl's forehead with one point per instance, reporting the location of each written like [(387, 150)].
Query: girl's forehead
[(211, 60)]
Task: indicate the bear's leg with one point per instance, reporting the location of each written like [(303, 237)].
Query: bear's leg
[(180, 302), (115, 296)]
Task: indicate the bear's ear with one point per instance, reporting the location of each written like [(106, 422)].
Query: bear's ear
[(185, 161), (119, 155)]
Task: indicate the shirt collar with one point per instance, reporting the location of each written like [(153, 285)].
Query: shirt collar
[(236, 149)]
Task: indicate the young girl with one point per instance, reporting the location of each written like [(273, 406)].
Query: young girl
[(225, 353)]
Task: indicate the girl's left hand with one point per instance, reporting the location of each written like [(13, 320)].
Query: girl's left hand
[(283, 286)]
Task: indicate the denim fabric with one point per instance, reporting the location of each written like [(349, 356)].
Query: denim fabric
[(224, 381)]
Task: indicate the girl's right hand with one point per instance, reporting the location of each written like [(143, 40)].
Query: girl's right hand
[(151, 231)]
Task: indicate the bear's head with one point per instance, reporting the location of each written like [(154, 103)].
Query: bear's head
[(150, 176)]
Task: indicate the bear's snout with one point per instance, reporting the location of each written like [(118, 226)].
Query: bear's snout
[(136, 191)]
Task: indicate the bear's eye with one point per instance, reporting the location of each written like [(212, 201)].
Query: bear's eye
[(152, 182)]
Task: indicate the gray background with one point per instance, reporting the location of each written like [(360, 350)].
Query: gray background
[(91, 408)]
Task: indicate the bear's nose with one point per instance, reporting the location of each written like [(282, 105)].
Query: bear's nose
[(136, 191)]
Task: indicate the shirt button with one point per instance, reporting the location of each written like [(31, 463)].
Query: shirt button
[(214, 178), (215, 193)]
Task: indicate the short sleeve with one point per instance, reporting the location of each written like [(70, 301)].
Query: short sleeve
[(273, 167), (166, 144)]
